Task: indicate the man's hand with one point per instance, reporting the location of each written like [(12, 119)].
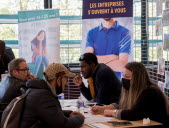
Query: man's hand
[(97, 110), (30, 76), (77, 113), (77, 80)]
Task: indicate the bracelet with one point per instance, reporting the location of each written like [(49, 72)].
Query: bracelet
[(114, 114)]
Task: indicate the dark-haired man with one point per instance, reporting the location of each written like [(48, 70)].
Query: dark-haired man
[(104, 86)]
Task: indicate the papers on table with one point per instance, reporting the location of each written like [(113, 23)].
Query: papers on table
[(97, 125), (90, 119), (96, 118), (68, 103)]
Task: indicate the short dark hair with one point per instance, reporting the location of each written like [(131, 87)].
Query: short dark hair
[(89, 58)]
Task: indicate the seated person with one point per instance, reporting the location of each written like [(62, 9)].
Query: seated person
[(104, 86), (10, 86), (42, 107), (140, 97), (10, 53), (4, 59)]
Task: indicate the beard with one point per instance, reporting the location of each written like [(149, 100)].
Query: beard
[(88, 75), (59, 89)]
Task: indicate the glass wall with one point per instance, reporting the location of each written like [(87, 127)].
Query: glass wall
[(71, 28), (13, 6)]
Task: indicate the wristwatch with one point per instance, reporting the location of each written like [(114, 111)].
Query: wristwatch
[(114, 114)]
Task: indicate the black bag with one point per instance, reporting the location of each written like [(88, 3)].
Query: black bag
[(12, 114)]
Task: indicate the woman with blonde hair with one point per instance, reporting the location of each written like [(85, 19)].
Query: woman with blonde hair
[(4, 59), (140, 97)]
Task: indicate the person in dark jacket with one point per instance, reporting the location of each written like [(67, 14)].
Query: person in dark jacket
[(14, 84), (104, 86), (140, 98), (4, 59), (10, 53), (11, 85), (42, 107)]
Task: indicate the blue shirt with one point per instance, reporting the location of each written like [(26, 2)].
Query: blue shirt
[(115, 40)]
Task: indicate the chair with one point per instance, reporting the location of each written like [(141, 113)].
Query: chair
[(2, 108)]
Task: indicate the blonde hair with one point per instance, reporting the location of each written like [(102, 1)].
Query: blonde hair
[(139, 82)]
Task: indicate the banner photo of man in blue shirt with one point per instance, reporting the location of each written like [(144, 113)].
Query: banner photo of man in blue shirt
[(111, 43), (108, 35)]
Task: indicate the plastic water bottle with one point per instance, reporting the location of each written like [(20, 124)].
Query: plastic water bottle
[(80, 105), (61, 99)]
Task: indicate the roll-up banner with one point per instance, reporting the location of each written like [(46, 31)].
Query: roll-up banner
[(39, 37), (107, 31)]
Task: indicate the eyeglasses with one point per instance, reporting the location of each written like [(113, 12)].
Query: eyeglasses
[(27, 69)]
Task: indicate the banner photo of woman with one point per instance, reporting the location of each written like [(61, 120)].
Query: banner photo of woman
[(39, 38)]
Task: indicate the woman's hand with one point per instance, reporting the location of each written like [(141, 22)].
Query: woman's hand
[(44, 53), (108, 112), (37, 51)]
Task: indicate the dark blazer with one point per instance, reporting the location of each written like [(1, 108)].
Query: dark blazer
[(106, 84), (10, 88), (10, 53), (4, 60)]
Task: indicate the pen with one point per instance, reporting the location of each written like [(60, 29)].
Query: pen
[(94, 104)]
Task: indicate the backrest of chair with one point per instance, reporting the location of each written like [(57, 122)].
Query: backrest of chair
[(2, 108)]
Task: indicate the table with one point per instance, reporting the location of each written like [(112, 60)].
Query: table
[(99, 121), (135, 124)]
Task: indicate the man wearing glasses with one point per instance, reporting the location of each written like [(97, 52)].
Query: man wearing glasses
[(13, 85)]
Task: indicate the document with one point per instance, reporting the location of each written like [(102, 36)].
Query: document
[(97, 118)]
